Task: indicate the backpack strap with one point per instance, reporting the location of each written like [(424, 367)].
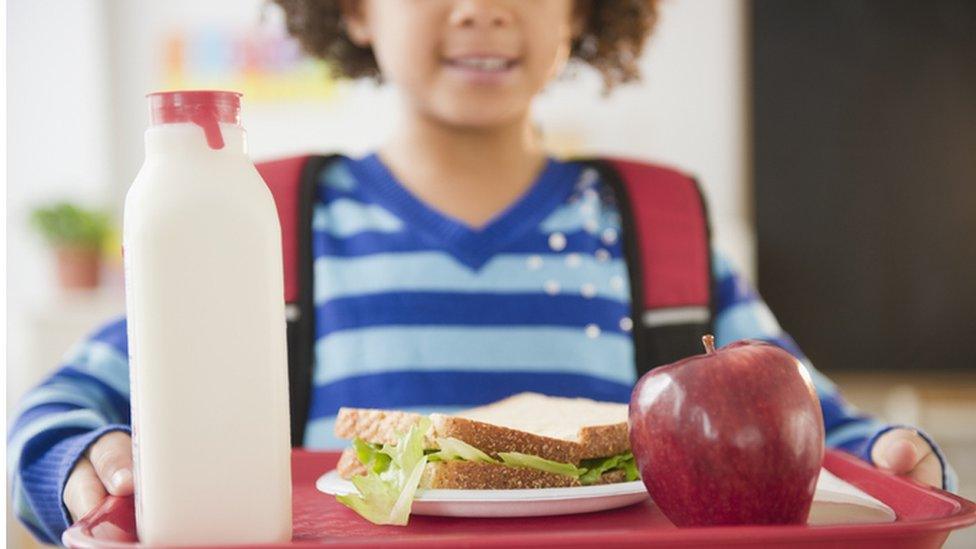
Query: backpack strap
[(292, 182), (667, 244)]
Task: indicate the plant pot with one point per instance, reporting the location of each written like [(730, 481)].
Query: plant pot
[(78, 267)]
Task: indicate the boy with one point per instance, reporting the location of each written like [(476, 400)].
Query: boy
[(458, 263)]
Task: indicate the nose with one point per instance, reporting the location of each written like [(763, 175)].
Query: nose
[(480, 14)]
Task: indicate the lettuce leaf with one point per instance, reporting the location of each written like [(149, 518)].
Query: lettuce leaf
[(516, 459), (595, 468), (385, 494), (452, 448), (630, 469), (371, 455)]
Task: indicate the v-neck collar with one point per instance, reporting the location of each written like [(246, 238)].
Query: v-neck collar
[(472, 247)]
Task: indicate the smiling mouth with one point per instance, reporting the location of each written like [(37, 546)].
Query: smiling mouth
[(482, 63)]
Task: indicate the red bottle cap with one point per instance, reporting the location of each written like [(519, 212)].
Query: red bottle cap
[(206, 109)]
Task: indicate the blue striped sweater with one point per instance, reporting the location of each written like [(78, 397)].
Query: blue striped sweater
[(413, 310)]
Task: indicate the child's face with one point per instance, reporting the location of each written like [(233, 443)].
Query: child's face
[(467, 63)]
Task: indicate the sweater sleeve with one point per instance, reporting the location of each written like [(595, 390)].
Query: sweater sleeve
[(56, 422), (742, 314)]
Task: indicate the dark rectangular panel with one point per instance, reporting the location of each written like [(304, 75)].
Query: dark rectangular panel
[(865, 178)]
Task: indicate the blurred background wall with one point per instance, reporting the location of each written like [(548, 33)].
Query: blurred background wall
[(78, 72)]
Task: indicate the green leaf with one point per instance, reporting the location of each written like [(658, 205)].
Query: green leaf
[(630, 469), (374, 500), (452, 448), (65, 224), (409, 450), (595, 468), (386, 497), (371, 455), (516, 459)]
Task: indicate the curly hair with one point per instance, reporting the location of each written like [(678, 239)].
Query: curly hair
[(611, 42)]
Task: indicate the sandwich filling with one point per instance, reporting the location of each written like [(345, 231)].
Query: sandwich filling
[(385, 493), (589, 471)]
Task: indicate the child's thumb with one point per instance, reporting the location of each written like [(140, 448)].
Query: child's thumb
[(111, 457), (899, 451)]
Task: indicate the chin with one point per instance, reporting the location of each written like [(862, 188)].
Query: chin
[(476, 110)]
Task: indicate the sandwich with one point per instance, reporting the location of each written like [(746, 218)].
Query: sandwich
[(524, 441)]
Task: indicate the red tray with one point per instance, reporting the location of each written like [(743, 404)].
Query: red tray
[(926, 516)]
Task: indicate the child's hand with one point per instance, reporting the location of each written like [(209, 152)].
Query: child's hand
[(105, 469), (904, 452)]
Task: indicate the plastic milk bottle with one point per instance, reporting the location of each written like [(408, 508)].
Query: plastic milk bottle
[(206, 326)]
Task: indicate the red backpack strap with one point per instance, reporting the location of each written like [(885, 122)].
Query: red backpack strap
[(667, 242), (292, 182), (284, 179)]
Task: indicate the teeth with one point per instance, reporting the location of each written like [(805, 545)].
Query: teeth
[(483, 63)]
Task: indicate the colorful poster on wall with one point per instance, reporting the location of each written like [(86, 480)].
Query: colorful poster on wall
[(263, 63)]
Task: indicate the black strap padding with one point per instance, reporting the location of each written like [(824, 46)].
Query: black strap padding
[(301, 328), (658, 345), (610, 177), (670, 343)]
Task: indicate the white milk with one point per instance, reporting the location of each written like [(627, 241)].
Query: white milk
[(207, 348)]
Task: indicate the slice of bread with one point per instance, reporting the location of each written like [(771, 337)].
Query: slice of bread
[(471, 475), (598, 429), (376, 426), (560, 429), (349, 465)]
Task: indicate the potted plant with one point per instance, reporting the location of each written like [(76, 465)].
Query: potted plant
[(77, 236)]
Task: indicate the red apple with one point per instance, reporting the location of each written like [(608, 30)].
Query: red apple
[(733, 436)]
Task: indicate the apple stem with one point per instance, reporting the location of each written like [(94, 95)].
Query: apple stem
[(709, 341)]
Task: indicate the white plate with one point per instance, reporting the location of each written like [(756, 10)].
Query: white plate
[(835, 501), (535, 502)]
